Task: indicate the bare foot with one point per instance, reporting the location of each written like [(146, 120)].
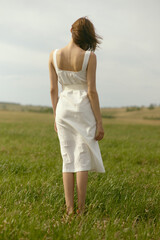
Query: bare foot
[(70, 211)]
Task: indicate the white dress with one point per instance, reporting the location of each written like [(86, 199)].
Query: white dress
[(76, 123)]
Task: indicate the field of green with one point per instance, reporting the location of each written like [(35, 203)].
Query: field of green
[(122, 203)]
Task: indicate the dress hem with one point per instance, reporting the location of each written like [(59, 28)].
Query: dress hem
[(80, 170)]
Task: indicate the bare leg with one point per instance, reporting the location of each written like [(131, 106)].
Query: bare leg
[(82, 179), (68, 181)]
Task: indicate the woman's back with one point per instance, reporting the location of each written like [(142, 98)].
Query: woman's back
[(71, 65), (70, 59)]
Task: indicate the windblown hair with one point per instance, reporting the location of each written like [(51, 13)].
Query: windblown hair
[(83, 34)]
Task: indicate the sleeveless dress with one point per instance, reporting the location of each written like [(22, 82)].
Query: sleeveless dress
[(76, 123)]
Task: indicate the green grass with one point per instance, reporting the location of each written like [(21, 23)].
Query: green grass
[(123, 203)]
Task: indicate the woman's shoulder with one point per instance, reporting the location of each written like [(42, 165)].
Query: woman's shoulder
[(51, 56), (92, 54), (51, 53), (92, 57)]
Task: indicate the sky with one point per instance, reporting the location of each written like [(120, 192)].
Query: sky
[(128, 60)]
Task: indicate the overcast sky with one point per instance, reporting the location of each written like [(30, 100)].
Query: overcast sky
[(128, 62)]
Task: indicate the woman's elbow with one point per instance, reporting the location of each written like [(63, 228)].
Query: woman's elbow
[(53, 90), (92, 93)]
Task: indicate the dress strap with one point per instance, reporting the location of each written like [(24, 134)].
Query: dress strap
[(85, 61), (55, 60)]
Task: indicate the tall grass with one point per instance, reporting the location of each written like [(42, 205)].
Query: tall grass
[(123, 203)]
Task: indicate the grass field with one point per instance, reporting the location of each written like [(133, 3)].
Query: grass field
[(123, 203)]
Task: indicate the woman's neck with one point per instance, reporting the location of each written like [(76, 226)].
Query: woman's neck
[(71, 44)]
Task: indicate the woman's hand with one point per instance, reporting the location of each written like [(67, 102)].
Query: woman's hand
[(99, 132)]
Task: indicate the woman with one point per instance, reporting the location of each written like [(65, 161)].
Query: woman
[(78, 121)]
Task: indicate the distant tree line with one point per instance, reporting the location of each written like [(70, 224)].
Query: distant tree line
[(137, 108)]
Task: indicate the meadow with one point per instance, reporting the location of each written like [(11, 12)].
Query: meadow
[(122, 203)]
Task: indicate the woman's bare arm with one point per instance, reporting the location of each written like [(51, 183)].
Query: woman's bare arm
[(53, 83), (93, 95)]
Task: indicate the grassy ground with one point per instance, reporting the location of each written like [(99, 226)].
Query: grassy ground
[(123, 203)]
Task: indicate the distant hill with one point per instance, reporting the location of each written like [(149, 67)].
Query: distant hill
[(7, 106)]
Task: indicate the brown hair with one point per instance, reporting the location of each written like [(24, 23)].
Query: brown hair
[(83, 34)]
